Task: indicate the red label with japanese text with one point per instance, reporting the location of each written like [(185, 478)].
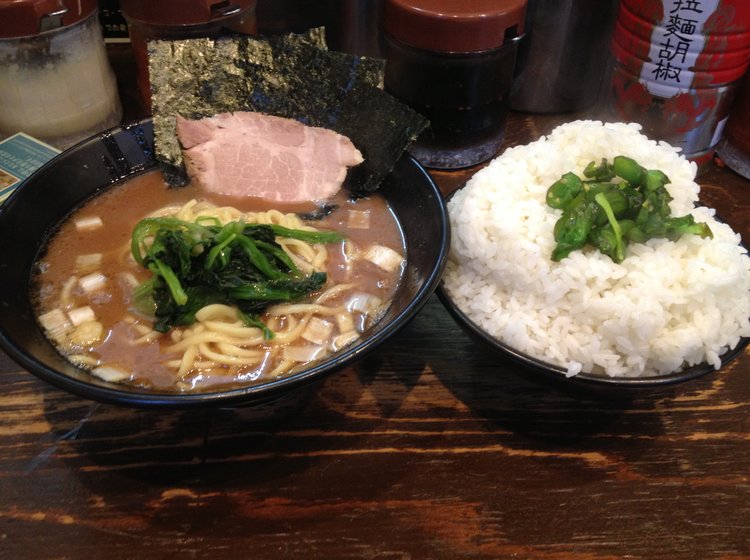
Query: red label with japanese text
[(677, 66)]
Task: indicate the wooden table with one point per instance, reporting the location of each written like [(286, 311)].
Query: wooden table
[(431, 448)]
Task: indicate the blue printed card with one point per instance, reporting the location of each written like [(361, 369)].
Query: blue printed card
[(20, 156)]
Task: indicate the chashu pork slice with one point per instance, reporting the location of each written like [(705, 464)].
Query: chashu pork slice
[(273, 158)]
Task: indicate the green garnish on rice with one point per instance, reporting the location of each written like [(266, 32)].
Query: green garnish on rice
[(613, 205)]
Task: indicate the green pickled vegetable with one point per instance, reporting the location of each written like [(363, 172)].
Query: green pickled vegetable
[(564, 190), (195, 264), (573, 228), (602, 171), (614, 205), (629, 170)]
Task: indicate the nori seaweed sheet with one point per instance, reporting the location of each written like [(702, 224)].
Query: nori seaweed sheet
[(291, 76)]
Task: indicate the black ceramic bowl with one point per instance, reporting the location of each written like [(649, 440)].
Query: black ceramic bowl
[(48, 197), (588, 382)]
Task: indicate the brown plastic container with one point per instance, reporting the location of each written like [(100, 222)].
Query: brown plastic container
[(453, 62), (182, 19)]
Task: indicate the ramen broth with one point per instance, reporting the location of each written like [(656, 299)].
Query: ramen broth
[(87, 265)]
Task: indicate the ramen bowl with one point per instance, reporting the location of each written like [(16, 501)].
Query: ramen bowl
[(50, 195)]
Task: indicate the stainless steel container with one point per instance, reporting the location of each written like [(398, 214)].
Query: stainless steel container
[(563, 57), (355, 26), (735, 148)]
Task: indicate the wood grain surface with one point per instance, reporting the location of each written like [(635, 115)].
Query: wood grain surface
[(430, 448)]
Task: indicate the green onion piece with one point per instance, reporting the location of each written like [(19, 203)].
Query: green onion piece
[(602, 201)]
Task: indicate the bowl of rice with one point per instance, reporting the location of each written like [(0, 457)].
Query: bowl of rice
[(669, 312)]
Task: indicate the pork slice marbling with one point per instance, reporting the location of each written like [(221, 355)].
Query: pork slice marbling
[(262, 156)]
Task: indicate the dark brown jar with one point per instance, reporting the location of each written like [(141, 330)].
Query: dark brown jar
[(182, 19), (453, 61)]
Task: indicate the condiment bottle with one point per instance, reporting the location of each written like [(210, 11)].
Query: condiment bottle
[(453, 61), (355, 27), (563, 55), (734, 150), (677, 68), (182, 19), (56, 83)]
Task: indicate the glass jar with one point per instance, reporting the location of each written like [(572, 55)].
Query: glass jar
[(181, 19), (453, 62), (56, 83)]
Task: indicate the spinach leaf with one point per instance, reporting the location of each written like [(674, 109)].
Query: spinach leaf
[(195, 264)]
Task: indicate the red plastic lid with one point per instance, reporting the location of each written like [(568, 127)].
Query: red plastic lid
[(182, 12), (24, 18), (454, 25)]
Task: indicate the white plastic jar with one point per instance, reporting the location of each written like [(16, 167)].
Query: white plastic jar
[(56, 83)]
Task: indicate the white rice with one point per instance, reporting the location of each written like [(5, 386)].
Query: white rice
[(667, 305)]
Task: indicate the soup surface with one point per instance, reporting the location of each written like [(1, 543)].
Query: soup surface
[(86, 278)]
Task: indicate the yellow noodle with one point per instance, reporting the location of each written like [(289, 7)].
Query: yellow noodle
[(302, 264), (274, 323), (216, 311), (204, 364), (222, 358), (292, 308), (300, 249), (237, 350), (66, 293), (146, 338), (142, 329), (321, 257), (84, 360), (351, 251), (333, 291), (281, 368), (188, 358), (196, 338), (346, 318), (289, 336), (247, 335), (172, 210)]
